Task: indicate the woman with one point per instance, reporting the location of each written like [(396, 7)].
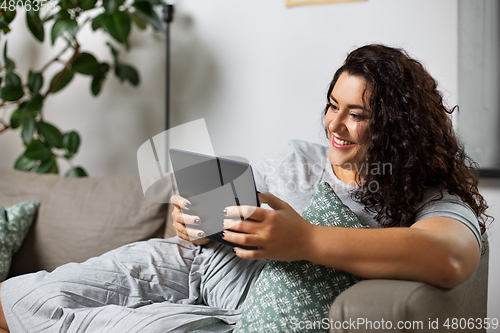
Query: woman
[(383, 109), (393, 159)]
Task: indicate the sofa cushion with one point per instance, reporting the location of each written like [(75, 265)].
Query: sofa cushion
[(296, 296), (15, 222), (79, 218)]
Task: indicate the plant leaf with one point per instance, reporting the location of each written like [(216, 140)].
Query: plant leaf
[(35, 104), (145, 10), (118, 25), (114, 51), (12, 79), (67, 4), (153, 2), (9, 64), (71, 142), (37, 150), (104, 68), (97, 22), (87, 4), (65, 79), (62, 15), (99, 78), (50, 133), (111, 6), (4, 27), (28, 130), (139, 22), (25, 164), (49, 166), (16, 119), (35, 24), (86, 64), (76, 172), (8, 16), (11, 94), (12, 89), (127, 72), (61, 26), (96, 84), (35, 82)]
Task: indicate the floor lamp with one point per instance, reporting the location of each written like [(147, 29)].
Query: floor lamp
[(168, 17)]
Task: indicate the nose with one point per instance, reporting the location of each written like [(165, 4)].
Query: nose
[(337, 124)]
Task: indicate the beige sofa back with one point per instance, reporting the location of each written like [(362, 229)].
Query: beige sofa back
[(79, 218)]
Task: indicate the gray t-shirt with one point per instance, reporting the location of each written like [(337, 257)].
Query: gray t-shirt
[(293, 172)]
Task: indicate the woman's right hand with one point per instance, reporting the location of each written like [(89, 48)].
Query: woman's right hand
[(180, 220)]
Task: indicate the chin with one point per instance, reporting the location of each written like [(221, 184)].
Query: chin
[(337, 159), (343, 160)]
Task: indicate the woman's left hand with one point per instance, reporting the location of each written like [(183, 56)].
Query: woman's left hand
[(280, 234)]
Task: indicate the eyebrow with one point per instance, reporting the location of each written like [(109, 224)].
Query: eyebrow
[(350, 106)]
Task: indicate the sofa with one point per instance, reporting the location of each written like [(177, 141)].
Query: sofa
[(79, 218), (85, 217)]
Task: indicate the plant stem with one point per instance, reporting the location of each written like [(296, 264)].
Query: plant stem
[(55, 59), (65, 69), (5, 126)]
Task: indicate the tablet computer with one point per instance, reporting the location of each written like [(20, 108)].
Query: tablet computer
[(211, 184)]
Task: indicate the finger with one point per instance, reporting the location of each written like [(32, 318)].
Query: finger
[(187, 219), (180, 230), (242, 239), (179, 201), (271, 200), (250, 254), (245, 212), (189, 233), (195, 233), (230, 223), (250, 227)]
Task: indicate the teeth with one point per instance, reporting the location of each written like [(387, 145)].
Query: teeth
[(342, 142)]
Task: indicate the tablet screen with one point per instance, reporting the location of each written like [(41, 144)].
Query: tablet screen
[(211, 184)]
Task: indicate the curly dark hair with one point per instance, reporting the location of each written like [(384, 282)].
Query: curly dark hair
[(410, 128)]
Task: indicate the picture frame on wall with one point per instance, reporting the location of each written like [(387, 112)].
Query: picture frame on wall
[(291, 3)]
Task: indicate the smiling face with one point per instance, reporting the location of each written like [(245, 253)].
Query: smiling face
[(346, 121)]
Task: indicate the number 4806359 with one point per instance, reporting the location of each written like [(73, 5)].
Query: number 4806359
[(12, 5)]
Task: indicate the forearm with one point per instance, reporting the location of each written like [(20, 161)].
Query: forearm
[(395, 253), (438, 250)]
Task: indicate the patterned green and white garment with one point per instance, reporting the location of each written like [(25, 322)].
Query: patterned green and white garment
[(15, 222), (296, 296)]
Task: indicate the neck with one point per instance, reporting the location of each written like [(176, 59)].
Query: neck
[(348, 176)]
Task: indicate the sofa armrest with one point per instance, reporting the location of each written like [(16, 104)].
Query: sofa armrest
[(388, 300), (413, 303)]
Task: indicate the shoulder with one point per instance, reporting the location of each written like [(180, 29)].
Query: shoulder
[(292, 172), (299, 150), (433, 197), (308, 150), (447, 205)]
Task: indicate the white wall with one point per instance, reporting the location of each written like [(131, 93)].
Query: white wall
[(267, 67), (255, 70)]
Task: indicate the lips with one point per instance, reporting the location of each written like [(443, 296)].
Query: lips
[(341, 143)]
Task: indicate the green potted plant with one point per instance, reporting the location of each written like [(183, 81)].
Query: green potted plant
[(23, 101)]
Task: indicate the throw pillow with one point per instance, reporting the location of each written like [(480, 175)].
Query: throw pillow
[(296, 296), (15, 222)]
